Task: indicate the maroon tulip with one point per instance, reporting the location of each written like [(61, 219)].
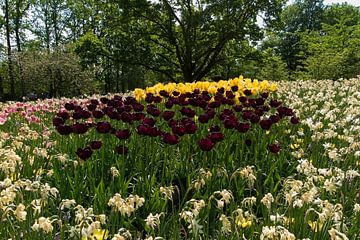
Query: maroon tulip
[(64, 129), (275, 118), (216, 136), (142, 129), (63, 114), (149, 121), (265, 124), (237, 108), (206, 144), (203, 118), (80, 128), (178, 130), (57, 121), (254, 118), (103, 127), (214, 129), (122, 150), (274, 148), (84, 153), (104, 100), (295, 120), (167, 115), (122, 134), (170, 139), (190, 128), (247, 92), (234, 88), (69, 106), (243, 127), (275, 103), (95, 145), (97, 114), (264, 95)]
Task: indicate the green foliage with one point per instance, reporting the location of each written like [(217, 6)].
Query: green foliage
[(334, 52), (57, 73)]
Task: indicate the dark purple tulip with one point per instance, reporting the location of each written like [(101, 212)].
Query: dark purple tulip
[(294, 120), (243, 127), (64, 129), (170, 139), (274, 148), (167, 115), (234, 88), (122, 134), (63, 114), (214, 129), (246, 114), (247, 92), (178, 130), (80, 128), (221, 90), (149, 98), (85, 114), (190, 128), (275, 103), (77, 115), (103, 127), (95, 145), (265, 95), (206, 144), (149, 121), (104, 100), (216, 136), (58, 121), (203, 118), (94, 101), (126, 117), (138, 107), (265, 124), (172, 122), (215, 104), (69, 106), (259, 101), (169, 104), (127, 108), (188, 112), (98, 114), (122, 150), (259, 112), (175, 93), (254, 118), (237, 108), (230, 123), (138, 116), (275, 118), (84, 153), (242, 99), (91, 107), (211, 113), (164, 93), (157, 99), (142, 130)]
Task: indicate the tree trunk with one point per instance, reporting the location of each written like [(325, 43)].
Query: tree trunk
[(8, 41)]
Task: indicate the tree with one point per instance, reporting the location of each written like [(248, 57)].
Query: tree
[(187, 37), (334, 52)]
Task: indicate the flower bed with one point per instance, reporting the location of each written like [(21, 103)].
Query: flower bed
[(206, 160)]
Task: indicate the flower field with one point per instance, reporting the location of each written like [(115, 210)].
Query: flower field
[(236, 159)]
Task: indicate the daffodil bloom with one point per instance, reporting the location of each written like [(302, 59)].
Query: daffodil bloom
[(98, 234)]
